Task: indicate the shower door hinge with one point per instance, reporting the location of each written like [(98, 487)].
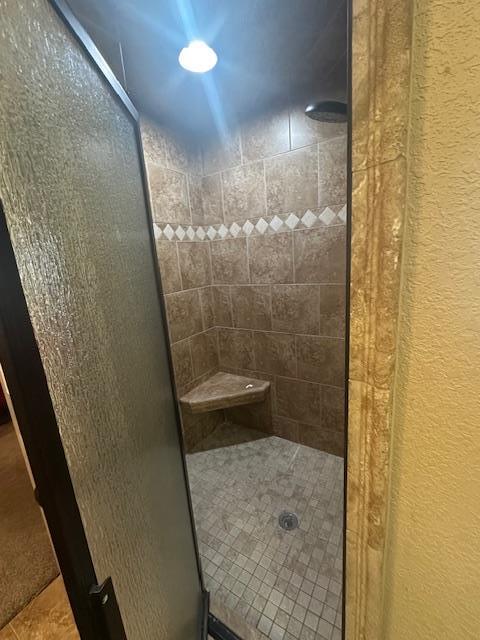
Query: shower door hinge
[(107, 613)]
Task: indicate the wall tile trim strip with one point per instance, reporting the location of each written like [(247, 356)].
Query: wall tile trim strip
[(311, 218)]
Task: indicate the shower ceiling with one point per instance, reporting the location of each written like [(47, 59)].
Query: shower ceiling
[(267, 51)]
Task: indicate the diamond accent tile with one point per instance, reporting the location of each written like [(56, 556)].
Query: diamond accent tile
[(222, 231), (235, 229), (248, 228), (309, 218), (276, 223), (168, 232), (327, 216), (292, 221), (180, 232), (261, 226)]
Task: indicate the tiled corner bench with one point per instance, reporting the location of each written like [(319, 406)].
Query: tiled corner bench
[(224, 390)]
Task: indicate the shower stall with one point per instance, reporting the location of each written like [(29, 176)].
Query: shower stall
[(174, 252)]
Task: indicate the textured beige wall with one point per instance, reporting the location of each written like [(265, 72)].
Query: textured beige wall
[(432, 588)]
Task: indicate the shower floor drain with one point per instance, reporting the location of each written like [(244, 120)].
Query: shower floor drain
[(288, 520)]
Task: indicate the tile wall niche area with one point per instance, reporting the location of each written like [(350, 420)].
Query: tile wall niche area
[(251, 244)]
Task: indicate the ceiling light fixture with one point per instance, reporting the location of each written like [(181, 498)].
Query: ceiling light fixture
[(197, 57)]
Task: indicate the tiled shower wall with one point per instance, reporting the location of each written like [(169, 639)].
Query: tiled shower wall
[(173, 171), (252, 252)]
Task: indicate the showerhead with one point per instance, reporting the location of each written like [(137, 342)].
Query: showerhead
[(327, 111)]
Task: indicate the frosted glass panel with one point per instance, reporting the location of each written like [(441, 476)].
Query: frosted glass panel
[(72, 192)]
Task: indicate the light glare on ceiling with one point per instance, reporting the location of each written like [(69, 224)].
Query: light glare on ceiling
[(197, 57)]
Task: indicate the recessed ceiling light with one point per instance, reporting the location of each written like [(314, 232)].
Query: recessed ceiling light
[(197, 57)]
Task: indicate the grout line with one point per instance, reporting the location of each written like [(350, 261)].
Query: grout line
[(290, 333), (295, 346), (282, 153), (240, 145), (290, 128), (294, 268), (177, 253), (190, 351), (230, 303), (193, 335), (265, 188), (320, 309), (318, 175), (211, 266), (170, 293), (222, 198), (271, 305)]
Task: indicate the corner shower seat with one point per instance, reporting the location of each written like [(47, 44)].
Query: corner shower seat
[(224, 390)]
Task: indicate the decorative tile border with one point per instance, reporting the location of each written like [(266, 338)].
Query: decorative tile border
[(334, 215)]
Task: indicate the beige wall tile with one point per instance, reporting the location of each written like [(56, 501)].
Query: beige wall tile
[(317, 437), (179, 155), (168, 265), (206, 199), (332, 310), (167, 149), (235, 348), (298, 400), (204, 352), (271, 258), (296, 308), (256, 416), (305, 131), (195, 198), (153, 143), (212, 208), (265, 136), (194, 259), (168, 190), (292, 181), (222, 153), (244, 192), (229, 261), (284, 428), (320, 255), (321, 359), (198, 426), (206, 303), (222, 306), (333, 409), (251, 306), (184, 314), (332, 172), (182, 362), (275, 353)]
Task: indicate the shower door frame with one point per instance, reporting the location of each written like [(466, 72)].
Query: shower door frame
[(94, 606)]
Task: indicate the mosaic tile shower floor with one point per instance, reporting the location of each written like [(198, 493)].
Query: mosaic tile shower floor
[(284, 584)]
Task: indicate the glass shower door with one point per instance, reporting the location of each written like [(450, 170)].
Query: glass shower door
[(75, 208)]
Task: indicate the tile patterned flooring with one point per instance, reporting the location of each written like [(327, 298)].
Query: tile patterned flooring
[(285, 584)]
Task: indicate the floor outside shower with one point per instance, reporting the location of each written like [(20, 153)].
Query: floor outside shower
[(284, 584)]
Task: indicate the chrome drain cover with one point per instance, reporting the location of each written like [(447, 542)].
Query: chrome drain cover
[(288, 520)]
